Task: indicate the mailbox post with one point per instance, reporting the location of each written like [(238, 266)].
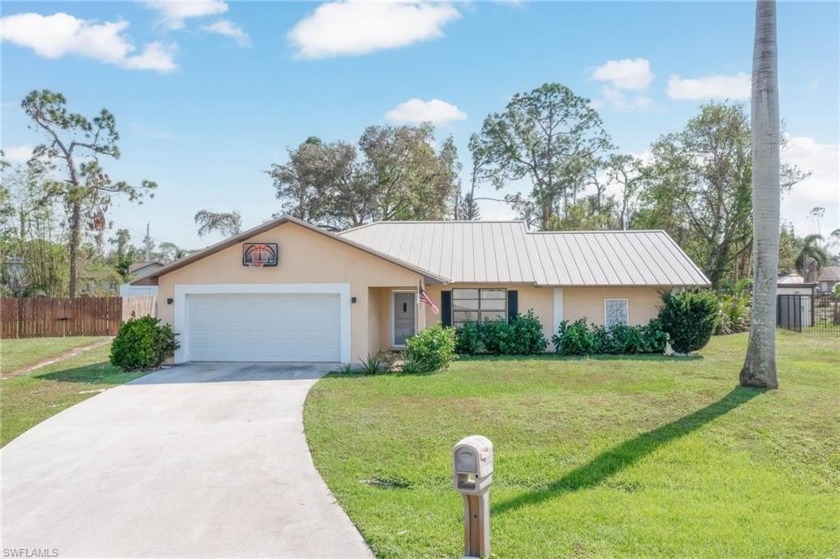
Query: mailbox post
[(472, 459)]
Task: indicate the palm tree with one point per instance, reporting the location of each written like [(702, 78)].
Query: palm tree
[(759, 368), (811, 258)]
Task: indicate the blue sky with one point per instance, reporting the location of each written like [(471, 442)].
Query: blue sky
[(209, 94)]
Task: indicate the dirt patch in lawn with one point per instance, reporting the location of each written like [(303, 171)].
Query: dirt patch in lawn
[(66, 355)]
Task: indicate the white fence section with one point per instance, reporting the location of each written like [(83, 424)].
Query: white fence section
[(141, 305)]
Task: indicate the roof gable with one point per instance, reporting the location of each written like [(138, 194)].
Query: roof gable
[(152, 278)]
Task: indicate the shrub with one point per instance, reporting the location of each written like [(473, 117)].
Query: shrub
[(526, 336), (496, 336), (576, 339), (468, 339), (579, 339), (142, 343), (373, 365), (431, 350), (689, 319), (733, 314)]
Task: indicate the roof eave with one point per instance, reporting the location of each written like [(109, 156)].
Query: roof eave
[(152, 279)]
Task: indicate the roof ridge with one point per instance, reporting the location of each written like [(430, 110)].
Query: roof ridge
[(589, 232)]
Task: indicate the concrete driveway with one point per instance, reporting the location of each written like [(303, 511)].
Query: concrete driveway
[(201, 460)]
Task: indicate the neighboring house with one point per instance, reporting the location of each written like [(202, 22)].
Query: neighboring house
[(140, 270), (828, 278), (341, 297), (792, 279)]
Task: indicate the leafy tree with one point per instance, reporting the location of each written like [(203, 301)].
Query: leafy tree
[(627, 172), (698, 187), (408, 179), (123, 254), (34, 263), (549, 136), (811, 258), (74, 148), (170, 252), (224, 223), (787, 250), (759, 368), (394, 173)]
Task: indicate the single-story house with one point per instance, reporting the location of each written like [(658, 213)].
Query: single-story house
[(289, 291), (140, 270), (828, 278)]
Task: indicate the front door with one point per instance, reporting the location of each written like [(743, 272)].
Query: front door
[(404, 323)]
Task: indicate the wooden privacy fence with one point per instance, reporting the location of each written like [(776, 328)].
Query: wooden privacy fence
[(83, 316)]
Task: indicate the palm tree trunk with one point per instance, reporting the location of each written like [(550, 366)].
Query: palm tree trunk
[(760, 363)]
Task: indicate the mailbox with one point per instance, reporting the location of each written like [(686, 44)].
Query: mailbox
[(473, 464), (472, 461)]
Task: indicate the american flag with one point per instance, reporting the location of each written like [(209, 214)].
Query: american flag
[(425, 299)]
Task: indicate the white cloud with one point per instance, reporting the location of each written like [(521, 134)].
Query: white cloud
[(621, 101), (173, 13), (61, 35), (822, 188), (630, 73), (417, 110), (718, 86), (17, 154), (155, 56), (348, 28), (228, 29)]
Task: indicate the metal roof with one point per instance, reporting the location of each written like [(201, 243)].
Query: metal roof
[(506, 252), (830, 273)]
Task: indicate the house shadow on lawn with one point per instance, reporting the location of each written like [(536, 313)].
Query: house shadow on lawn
[(629, 452), (598, 357)]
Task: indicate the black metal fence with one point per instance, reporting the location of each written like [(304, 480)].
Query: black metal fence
[(809, 313)]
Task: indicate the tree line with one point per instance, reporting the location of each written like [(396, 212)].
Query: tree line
[(549, 143)]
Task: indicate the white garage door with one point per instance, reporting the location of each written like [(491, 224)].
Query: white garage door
[(264, 327)]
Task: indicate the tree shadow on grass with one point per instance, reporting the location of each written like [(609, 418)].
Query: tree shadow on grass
[(629, 452), (96, 373)]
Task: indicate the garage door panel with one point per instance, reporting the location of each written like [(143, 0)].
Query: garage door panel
[(264, 327)]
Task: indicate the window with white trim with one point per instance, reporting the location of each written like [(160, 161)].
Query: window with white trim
[(615, 312), (478, 305)]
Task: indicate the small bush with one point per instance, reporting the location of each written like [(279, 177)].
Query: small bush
[(526, 336), (622, 339), (468, 339), (373, 365), (689, 319), (496, 336), (142, 343), (431, 350), (576, 339), (734, 314)]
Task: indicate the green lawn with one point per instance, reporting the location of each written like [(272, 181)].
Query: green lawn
[(29, 399), (16, 354), (613, 457)]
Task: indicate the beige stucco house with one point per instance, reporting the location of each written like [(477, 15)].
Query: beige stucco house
[(329, 297)]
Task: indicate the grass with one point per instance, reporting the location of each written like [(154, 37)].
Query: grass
[(29, 399), (607, 457), (16, 354)]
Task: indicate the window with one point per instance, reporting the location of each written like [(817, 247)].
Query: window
[(615, 312), (478, 305)]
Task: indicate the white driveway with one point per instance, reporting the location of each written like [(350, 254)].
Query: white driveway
[(201, 460)]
